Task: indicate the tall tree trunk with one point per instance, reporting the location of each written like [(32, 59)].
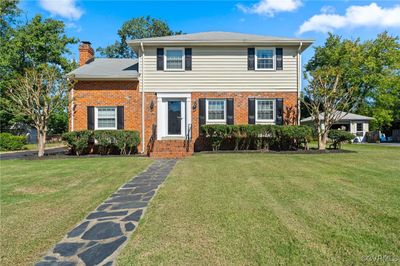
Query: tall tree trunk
[(41, 142), (321, 143), (322, 139)]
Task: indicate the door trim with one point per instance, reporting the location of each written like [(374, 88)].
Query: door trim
[(162, 113)]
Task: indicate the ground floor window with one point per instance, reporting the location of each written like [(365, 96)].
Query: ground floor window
[(106, 118), (265, 110), (216, 111), (359, 129)]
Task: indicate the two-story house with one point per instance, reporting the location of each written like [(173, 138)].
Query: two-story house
[(178, 83)]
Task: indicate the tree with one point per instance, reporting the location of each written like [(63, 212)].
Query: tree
[(8, 14), (372, 67), (136, 28), (326, 93), (8, 19), (36, 94), (33, 44)]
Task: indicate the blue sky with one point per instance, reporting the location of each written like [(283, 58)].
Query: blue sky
[(98, 21)]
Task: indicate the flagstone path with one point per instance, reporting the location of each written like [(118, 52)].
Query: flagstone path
[(102, 234)]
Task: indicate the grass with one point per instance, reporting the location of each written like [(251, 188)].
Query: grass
[(246, 209), (34, 147), (41, 200)]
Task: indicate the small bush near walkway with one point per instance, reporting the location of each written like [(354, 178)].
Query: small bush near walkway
[(102, 141), (259, 137), (9, 142)]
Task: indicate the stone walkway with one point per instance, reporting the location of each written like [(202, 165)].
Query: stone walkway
[(98, 239)]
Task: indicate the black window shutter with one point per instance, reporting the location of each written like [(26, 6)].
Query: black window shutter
[(90, 117), (160, 58), (279, 112), (250, 58), (279, 58), (252, 111), (188, 58), (202, 113), (230, 111), (120, 117)]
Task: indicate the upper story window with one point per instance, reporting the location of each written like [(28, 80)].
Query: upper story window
[(265, 110), (216, 111), (265, 58), (174, 59), (106, 118)]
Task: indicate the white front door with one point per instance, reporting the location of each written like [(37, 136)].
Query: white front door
[(173, 115)]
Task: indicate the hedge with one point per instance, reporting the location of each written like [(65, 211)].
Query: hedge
[(339, 136), (9, 142), (102, 141), (258, 137)]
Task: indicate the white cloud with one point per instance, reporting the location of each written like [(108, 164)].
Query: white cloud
[(71, 25), (328, 9), (63, 8), (356, 16), (270, 7)]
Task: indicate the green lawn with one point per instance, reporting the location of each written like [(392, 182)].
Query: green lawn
[(34, 147), (247, 209), (41, 200)]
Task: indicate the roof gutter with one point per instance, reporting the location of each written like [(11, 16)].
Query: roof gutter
[(83, 78), (213, 42)]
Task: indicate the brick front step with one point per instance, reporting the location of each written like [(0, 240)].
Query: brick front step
[(171, 149), (170, 155)]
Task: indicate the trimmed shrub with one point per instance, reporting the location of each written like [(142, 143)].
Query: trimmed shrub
[(9, 142), (102, 141), (108, 140), (258, 137), (78, 141), (339, 136)]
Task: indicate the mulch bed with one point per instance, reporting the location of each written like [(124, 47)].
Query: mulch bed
[(310, 151)]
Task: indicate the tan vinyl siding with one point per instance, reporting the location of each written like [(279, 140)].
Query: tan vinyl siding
[(220, 68)]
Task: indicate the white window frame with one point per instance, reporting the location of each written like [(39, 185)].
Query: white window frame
[(273, 59), (96, 118), (216, 121), (165, 58), (266, 121)]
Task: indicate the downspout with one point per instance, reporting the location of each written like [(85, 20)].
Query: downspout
[(72, 109), (71, 106), (299, 71), (142, 85)]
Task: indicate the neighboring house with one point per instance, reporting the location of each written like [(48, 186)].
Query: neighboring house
[(23, 129), (178, 83), (354, 123)]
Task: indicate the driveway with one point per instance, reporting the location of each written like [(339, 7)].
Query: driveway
[(390, 144), (27, 154)]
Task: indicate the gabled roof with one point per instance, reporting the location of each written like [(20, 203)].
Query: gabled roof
[(217, 36), (344, 117), (107, 69), (221, 37)]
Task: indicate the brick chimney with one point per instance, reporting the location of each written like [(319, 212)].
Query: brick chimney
[(86, 53)]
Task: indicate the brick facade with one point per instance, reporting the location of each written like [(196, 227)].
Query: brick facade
[(241, 105), (126, 93)]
